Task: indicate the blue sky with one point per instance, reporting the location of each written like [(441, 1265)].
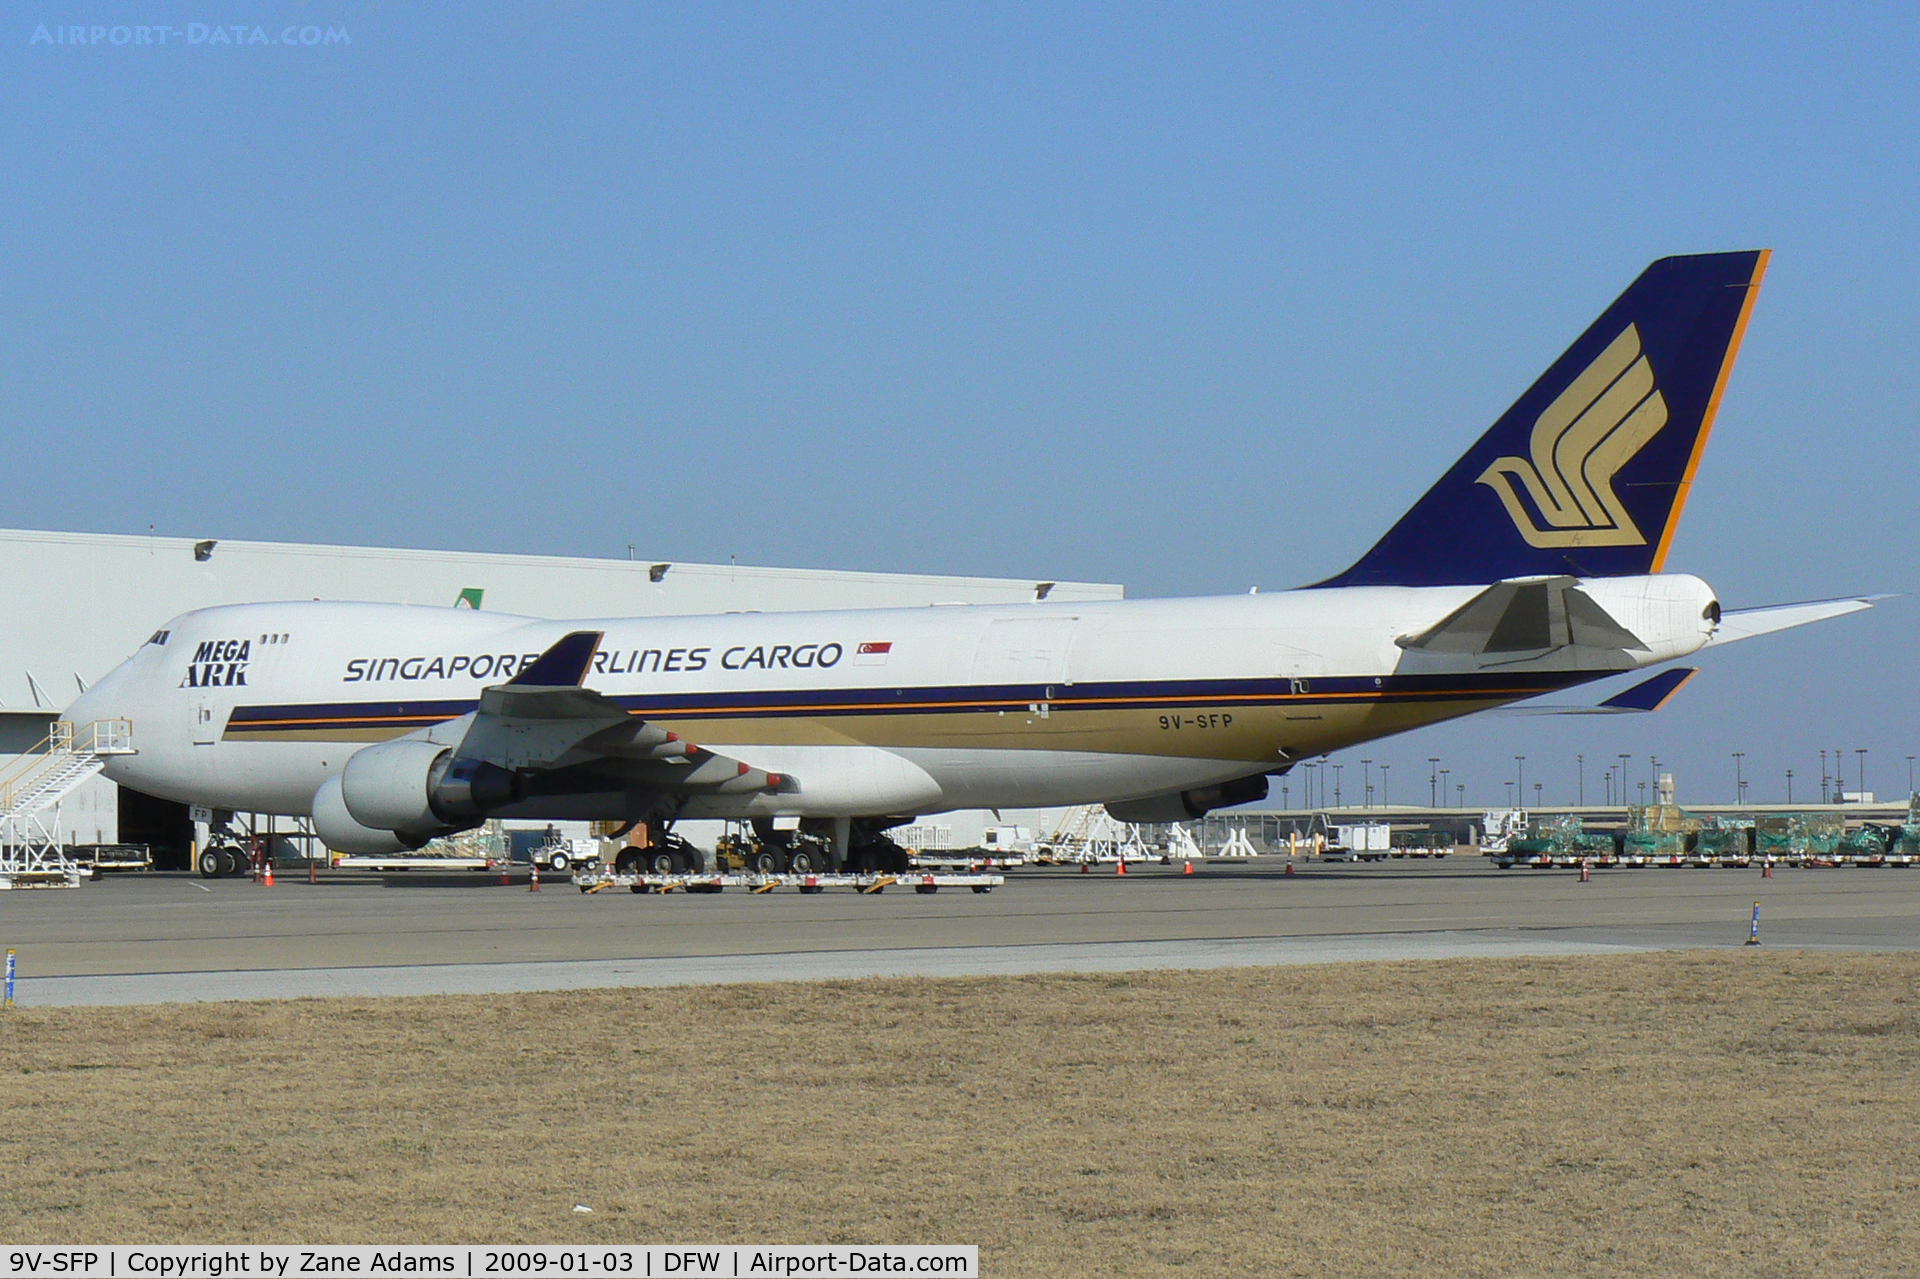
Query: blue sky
[(1191, 298)]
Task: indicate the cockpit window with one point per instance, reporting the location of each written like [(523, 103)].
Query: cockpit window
[(159, 637)]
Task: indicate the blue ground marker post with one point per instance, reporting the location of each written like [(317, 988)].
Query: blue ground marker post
[(9, 1003), (1753, 934)]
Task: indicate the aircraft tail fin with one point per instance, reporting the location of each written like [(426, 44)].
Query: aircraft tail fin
[(1588, 471)]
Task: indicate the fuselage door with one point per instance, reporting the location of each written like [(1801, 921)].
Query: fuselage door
[(207, 722), (1029, 653)]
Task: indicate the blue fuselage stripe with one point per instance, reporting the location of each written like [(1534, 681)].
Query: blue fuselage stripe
[(951, 700)]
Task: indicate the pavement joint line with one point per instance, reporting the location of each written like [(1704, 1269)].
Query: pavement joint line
[(515, 977)]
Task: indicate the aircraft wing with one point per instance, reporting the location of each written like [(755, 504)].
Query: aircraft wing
[(1643, 698), (542, 720), (1748, 622)]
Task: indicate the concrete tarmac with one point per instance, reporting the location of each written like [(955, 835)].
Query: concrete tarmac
[(150, 938)]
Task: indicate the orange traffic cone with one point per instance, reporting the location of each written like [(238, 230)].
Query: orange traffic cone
[(533, 884), (1120, 867), (267, 879), (1086, 868), (313, 871), (1766, 869), (504, 881), (1289, 868), (1586, 873), (1188, 870)]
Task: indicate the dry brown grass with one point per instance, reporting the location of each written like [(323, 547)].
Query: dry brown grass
[(1746, 1113)]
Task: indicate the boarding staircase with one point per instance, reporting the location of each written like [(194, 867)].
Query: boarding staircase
[(1088, 833), (32, 854)]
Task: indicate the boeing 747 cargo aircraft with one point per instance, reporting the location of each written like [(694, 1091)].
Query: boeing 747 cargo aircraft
[(1534, 564)]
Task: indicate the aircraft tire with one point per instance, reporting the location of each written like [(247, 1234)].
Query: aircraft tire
[(766, 862), (661, 862)]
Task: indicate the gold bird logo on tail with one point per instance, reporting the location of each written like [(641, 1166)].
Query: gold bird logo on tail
[(1591, 430)]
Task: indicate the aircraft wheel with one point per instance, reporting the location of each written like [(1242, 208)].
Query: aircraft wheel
[(806, 861), (926, 888), (661, 863), (208, 863), (983, 888), (766, 862)]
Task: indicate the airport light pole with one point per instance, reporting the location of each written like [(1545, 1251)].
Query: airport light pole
[(1433, 778), (1383, 785), (1580, 772), (1643, 794), (1823, 777), (1443, 779), (1909, 774), (1862, 753), (1509, 794), (1520, 777), (1462, 788), (1336, 785), (1536, 793), (1623, 779), (1366, 796), (1789, 786), (1739, 785)]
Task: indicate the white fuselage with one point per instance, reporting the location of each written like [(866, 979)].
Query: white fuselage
[(895, 711)]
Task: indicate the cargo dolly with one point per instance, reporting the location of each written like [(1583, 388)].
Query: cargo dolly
[(593, 881)]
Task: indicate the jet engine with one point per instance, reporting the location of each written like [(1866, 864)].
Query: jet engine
[(1186, 805), (416, 790), (337, 829)]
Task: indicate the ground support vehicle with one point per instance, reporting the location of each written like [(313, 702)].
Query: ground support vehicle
[(949, 861), (919, 881), (99, 857), (1422, 843), (343, 861)]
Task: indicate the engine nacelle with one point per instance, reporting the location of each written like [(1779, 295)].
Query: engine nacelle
[(388, 786), (339, 831), (415, 786), (1189, 804)]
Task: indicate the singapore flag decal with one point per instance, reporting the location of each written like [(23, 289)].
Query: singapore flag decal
[(872, 653)]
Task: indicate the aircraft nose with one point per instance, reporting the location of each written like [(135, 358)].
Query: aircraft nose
[(102, 700)]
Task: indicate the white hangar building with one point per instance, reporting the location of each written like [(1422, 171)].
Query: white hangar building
[(80, 603)]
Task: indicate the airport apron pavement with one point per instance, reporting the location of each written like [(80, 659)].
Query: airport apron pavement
[(161, 938)]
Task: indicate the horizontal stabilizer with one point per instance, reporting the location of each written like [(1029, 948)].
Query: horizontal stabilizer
[(1647, 696), (1514, 619), (1748, 622), (1651, 694)]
